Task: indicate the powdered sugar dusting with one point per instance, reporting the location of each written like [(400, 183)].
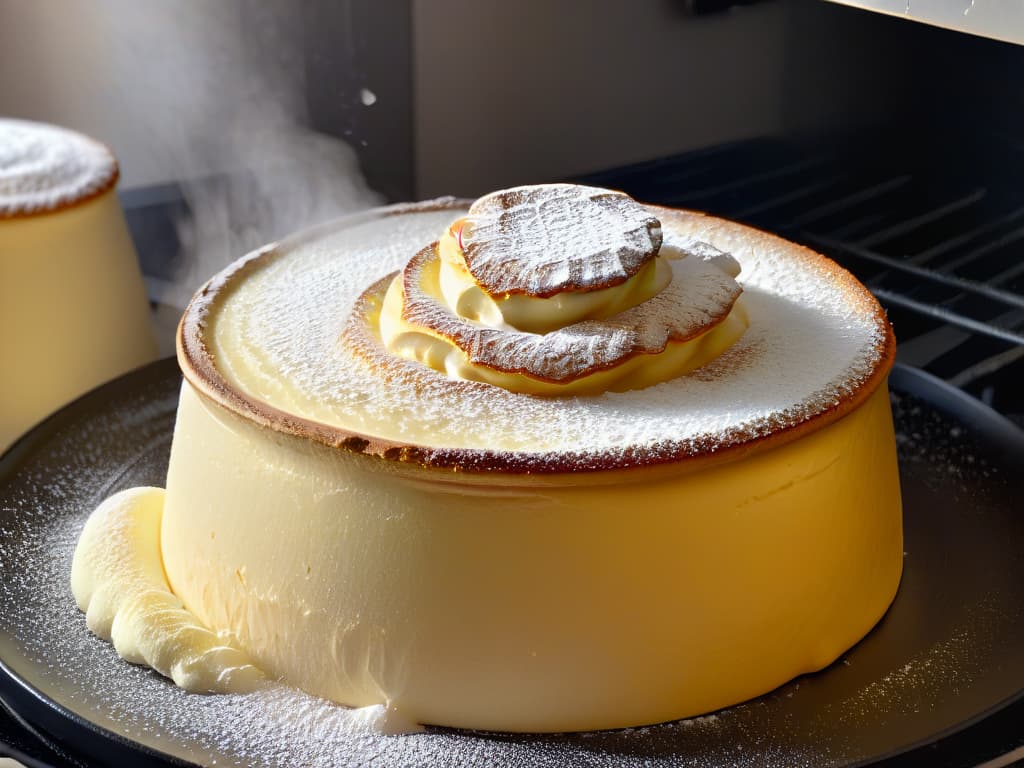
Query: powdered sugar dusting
[(678, 245), (43, 167), (814, 338), (546, 238)]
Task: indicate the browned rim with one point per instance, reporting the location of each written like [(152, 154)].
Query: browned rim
[(200, 370)]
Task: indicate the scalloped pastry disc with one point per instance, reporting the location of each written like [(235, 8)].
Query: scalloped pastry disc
[(544, 239)]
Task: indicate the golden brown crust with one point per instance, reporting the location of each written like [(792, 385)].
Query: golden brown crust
[(200, 370)]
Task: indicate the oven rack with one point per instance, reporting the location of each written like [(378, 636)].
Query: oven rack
[(941, 248)]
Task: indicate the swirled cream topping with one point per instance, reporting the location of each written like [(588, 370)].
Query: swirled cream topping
[(44, 168), (560, 290)]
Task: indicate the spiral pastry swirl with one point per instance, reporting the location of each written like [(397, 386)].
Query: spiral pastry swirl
[(562, 290)]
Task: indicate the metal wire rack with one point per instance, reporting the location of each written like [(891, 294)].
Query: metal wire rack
[(943, 251)]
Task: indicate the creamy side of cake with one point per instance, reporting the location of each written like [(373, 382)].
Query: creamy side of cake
[(540, 604), (374, 530)]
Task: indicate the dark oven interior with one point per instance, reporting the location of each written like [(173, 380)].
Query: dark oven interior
[(915, 187)]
